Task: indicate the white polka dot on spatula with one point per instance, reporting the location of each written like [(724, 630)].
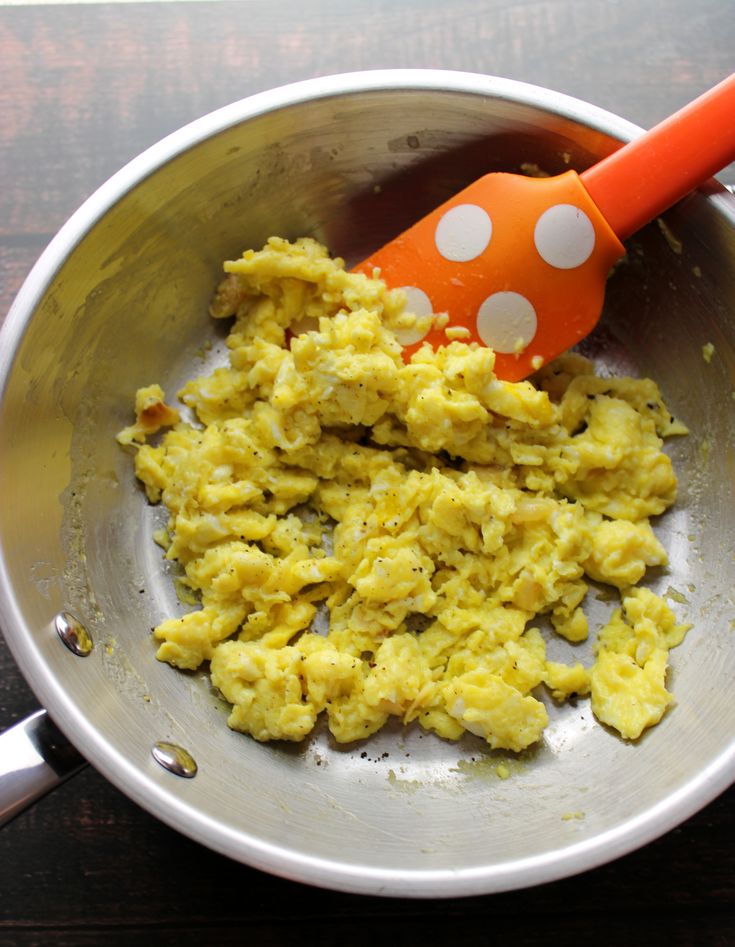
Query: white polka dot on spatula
[(419, 304), (506, 322), (564, 236), (463, 233)]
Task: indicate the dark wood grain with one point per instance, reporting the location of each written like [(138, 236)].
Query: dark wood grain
[(84, 89)]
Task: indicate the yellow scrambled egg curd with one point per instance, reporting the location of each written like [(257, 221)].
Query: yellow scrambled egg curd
[(432, 510)]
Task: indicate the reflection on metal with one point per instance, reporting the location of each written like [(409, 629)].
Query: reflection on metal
[(175, 759), (35, 757), (73, 633)]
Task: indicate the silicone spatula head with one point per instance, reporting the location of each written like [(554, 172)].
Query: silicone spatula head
[(520, 264)]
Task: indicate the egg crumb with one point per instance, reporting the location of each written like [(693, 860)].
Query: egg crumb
[(676, 596), (457, 332), (151, 414), (708, 350), (673, 241), (434, 512)]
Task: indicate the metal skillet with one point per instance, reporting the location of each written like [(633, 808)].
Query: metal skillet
[(119, 300)]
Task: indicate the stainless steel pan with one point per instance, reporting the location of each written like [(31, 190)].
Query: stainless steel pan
[(119, 300)]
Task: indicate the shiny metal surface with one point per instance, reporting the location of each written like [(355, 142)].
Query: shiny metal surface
[(119, 300), (73, 633), (175, 759), (35, 757)]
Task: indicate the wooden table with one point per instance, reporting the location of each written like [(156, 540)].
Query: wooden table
[(83, 88)]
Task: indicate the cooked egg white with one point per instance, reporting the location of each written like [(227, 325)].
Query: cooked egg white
[(434, 511)]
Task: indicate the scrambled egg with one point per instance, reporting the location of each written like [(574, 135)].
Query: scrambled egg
[(432, 511)]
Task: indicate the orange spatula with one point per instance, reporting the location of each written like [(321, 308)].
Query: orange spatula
[(520, 263)]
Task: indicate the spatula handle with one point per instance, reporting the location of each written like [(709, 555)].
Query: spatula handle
[(645, 177)]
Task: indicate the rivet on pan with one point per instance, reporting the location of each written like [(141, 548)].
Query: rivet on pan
[(73, 633), (175, 759)]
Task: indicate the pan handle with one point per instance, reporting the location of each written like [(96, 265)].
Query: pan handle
[(35, 757)]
